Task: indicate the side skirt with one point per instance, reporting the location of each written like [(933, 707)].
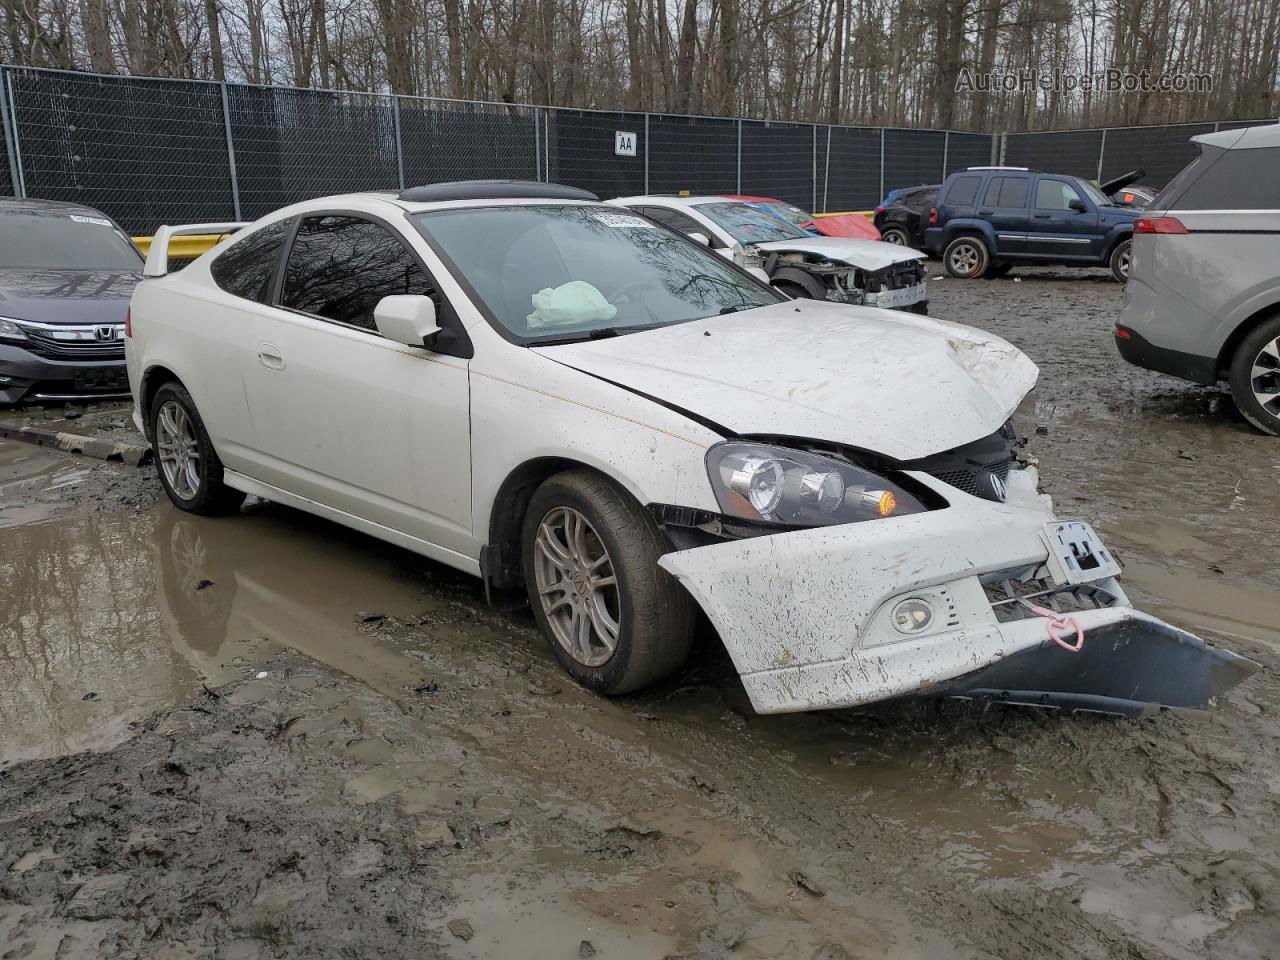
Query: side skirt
[(417, 545)]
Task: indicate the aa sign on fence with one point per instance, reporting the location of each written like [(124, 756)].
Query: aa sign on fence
[(624, 143)]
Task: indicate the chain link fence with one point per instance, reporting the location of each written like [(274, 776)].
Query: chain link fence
[(150, 151)]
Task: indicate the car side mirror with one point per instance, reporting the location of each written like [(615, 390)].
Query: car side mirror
[(1078, 206), (408, 319), (702, 238)]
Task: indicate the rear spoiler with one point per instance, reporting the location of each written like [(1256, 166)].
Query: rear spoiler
[(158, 252)]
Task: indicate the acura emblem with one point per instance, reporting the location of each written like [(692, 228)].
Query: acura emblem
[(104, 333), (998, 487)]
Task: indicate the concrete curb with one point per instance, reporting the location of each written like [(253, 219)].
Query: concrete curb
[(130, 453)]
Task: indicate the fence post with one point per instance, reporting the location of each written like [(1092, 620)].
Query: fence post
[(826, 173), (231, 152), (739, 188), (881, 163), (537, 143), (546, 142), (9, 123), (946, 147), (646, 154), (814, 205), (1102, 149), (395, 116)]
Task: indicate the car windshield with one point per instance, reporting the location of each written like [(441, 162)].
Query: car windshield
[(748, 224), (62, 241), (558, 273), (1099, 198), (788, 212)]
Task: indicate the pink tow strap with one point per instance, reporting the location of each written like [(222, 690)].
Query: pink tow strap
[(1054, 623)]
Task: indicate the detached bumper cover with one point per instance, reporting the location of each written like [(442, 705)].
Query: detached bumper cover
[(806, 615), (1125, 667)]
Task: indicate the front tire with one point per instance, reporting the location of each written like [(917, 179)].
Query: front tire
[(613, 618), (966, 258), (1120, 259), (1255, 377), (189, 468)]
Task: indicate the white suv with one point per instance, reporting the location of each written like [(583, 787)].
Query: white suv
[(549, 392)]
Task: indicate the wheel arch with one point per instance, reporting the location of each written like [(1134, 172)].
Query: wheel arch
[(153, 379), (1242, 330), (1120, 236), (500, 558), (801, 278)]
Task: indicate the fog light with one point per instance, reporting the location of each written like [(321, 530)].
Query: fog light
[(912, 616)]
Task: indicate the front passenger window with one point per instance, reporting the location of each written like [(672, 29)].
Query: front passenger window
[(341, 266), (1055, 195)]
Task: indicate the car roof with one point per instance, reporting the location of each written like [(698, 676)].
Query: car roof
[(748, 198), (673, 200), (33, 206), (1243, 138)]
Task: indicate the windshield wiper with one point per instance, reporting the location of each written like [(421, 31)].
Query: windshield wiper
[(734, 309), (601, 333)]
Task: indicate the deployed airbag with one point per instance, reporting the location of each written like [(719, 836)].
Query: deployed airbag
[(573, 303)]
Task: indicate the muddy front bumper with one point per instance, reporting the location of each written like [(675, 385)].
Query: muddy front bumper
[(807, 616)]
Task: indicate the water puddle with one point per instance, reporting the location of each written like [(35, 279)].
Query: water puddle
[(106, 618)]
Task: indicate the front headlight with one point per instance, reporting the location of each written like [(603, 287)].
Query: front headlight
[(756, 481), (10, 330)]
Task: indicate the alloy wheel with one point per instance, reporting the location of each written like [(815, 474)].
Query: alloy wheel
[(178, 449), (1123, 263), (895, 237), (964, 258), (578, 586), (1264, 378)]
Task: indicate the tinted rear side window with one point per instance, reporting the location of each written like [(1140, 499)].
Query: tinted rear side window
[(963, 191), (244, 269), (1239, 180), (340, 267), (1007, 192)]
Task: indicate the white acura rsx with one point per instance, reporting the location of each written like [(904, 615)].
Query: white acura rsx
[(551, 393)]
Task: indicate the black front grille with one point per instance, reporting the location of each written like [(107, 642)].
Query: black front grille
[(966, 478), (44, 346)]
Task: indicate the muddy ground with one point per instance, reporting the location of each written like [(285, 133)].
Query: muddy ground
[(263, 736)]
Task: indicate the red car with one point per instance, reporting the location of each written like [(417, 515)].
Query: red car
[(842, 225)]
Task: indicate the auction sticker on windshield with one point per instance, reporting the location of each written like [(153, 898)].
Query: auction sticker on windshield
[(623, 220)]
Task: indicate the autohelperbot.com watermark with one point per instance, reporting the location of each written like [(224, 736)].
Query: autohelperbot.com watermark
[(1111, 80)]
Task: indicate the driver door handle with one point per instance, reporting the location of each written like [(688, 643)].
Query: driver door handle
[(269, 356)]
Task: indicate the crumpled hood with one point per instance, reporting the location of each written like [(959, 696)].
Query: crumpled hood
[(66, 296), (867, 254), (897, 384)]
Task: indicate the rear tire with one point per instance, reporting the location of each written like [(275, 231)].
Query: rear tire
[(189, 468), (966, 258), (895, 235), (1119, 261), (581, 530), (1255, 377)]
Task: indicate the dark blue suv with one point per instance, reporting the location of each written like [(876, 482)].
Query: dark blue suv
[(989, 219)]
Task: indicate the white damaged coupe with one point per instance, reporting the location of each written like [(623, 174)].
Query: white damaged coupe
[(552, 393)]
